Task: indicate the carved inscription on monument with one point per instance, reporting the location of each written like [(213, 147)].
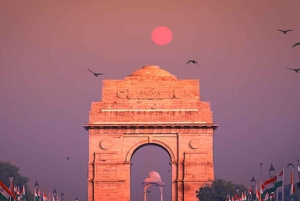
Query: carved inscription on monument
[(149, 94)]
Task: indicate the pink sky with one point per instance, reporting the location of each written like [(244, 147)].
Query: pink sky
[(46, 91)]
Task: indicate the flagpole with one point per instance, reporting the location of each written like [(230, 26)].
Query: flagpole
[(282, 194)]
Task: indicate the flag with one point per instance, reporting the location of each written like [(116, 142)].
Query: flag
[(258, 195), (279, 182), (12, 190), (270, 181), (17, 191), (4, 191), (267, 196), (292, 190), (250, 192), (45, 197), (262, 191), (23, 196), (244, 197), (37, 195)]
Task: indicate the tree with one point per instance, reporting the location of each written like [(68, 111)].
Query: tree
[(7, 169), (218, 190)]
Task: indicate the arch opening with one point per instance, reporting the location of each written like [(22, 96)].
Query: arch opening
[(146, 158)]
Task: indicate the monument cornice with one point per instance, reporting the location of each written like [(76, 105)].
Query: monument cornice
[(105, 125)]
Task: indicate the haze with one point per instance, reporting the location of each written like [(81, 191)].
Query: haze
[(46, 90)]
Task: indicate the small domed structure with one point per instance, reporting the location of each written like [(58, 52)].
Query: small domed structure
[(151, 72), (153, 177)]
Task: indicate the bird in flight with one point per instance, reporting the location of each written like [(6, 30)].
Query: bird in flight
[(148, 191), (96, 74), (285, 31), (68, 158), (294, 69), (296, 44), (193, 61)]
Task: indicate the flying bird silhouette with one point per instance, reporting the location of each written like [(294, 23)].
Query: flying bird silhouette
[(285, 31), (96, 74), (68, 158), (193, 61), (148, 191), (294, 69), (296, 44)]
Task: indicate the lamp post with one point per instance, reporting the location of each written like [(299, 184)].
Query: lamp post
[(62, 196), (237, 190), (253, 184), (37, 189), (54, 193), (228, 197), (11, 177), (272, 174)]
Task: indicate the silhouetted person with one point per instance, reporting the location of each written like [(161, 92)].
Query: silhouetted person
[(296, 44), (193, 61), (294, 69), (285, 31), (96, 74)]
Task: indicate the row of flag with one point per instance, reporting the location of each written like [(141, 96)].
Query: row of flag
[(268, 189), (37, 196), (13, 193)]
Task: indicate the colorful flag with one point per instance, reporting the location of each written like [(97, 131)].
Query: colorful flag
[(279, 181), (258, 195), (45, 197), (37, 195), (23, 196), (12, 190), (250, 191), (292, 192), (4, 191), (270, 181), (17, 191), (267, 196)]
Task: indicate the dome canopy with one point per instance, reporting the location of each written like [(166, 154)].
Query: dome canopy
[(153, 71), (153, 177)]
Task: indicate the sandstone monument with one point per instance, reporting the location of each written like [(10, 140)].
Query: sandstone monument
[(150, 106)]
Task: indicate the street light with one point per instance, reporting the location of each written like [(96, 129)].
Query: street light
[(54, 193), (237, 190), (272, 174), (253, 184), (11, 177), (37, 187), (62, 196), (272, 171), (228, 197)]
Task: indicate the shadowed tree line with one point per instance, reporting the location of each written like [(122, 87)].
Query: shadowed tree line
[(7, 170)]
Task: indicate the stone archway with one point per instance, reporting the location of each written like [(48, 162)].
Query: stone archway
[(149, 106), (154, 179)]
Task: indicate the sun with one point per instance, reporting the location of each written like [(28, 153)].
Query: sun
[(162, 35)]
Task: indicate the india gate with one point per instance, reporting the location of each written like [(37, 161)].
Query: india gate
[(149, 106)]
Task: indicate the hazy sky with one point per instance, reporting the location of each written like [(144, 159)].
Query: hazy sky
[(45, 90)]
